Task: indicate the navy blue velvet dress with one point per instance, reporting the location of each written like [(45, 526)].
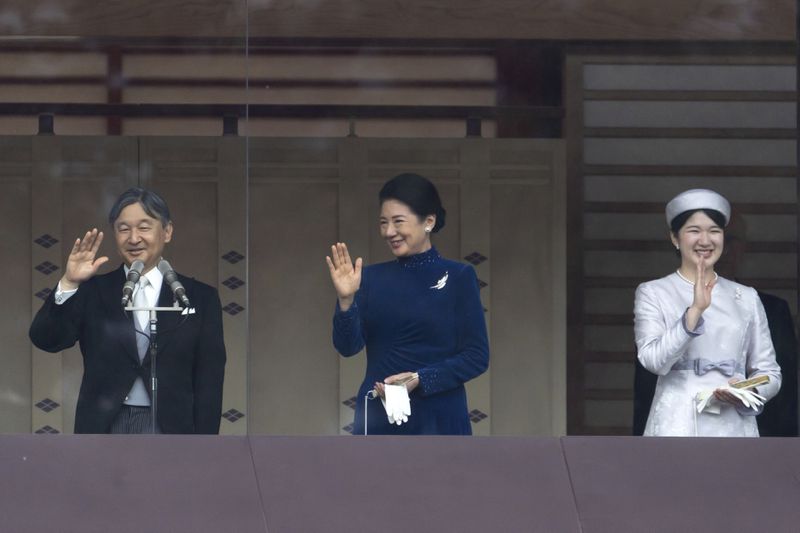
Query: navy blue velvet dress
[(422, 314)]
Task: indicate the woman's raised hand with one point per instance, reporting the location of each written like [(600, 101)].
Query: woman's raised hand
[(81, 263), (702, 294), (346, 277), (703, 286)]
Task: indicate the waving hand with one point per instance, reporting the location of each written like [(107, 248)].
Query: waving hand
[(345, 276), (82, 263)]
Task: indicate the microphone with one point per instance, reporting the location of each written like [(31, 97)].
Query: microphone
[(133, 276), (172, 278)]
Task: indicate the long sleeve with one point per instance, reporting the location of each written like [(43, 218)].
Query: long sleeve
[(659, 344), (209, 370), (348, 326), (761, 353), (472, 356), (57, 327)]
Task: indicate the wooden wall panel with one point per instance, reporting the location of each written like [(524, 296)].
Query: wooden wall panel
[(18, 254), (706, 115), (293, 367), (708, 152), (475, 210), (197, 75), (744, 189), (294, 204), (527, 236), (119, 18), (690, 73), (712, 20), (550, 19)]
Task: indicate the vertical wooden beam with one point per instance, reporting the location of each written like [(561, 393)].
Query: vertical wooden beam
[(354, 229), (561, 238), (114, 83), (475, 232), (528, 75), (574, 223), (233, 231), (47, 244), (797, 137)]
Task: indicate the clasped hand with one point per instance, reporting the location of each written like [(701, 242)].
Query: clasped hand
[(394, 395), (740, 398)]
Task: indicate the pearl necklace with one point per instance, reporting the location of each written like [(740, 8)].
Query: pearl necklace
[(690, 282)]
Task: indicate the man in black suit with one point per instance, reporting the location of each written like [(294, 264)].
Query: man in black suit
[(86, 308)]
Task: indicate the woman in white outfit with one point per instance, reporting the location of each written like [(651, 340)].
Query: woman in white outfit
[(700, 332)]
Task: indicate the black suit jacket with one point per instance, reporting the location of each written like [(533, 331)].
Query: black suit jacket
[(190, 360), (779, 418)]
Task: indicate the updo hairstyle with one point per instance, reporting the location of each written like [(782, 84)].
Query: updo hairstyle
[(418, 193)]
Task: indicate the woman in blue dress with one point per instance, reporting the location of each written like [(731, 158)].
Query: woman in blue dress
[(420, 317)]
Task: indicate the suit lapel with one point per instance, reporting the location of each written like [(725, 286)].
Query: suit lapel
[(110, 294)]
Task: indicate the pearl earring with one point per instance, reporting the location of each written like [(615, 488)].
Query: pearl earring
[(427, 230), (677, 247)]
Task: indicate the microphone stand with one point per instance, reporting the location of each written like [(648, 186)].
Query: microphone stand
[(153, 351)]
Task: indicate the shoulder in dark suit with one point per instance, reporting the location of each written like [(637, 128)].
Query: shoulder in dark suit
[(779, 418)]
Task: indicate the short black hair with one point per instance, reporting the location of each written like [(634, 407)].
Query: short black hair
[(418, 193), (680, 219), (151, 202)]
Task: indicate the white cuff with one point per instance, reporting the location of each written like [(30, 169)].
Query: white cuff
[(62, 296)]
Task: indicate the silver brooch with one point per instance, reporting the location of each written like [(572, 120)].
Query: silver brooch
[(441, 283)]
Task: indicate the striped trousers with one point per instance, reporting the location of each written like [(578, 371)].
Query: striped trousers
[(133, 420)]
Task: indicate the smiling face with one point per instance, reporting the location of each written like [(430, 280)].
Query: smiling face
[(140, 236), (404, 230), (699, 239)]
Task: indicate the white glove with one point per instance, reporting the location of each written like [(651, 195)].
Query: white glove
[(397, 403), (706, 401)]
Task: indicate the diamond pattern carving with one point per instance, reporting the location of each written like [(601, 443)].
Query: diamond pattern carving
[(232, 415), (350, 402), (475, 258), (45, 241), (44, 293), (233, 257), (46, 268), (233, 309), (48, 405), (476, 416), (233, 283)]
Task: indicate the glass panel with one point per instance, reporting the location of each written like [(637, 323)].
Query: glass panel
[(555, 141), (95, 100)]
